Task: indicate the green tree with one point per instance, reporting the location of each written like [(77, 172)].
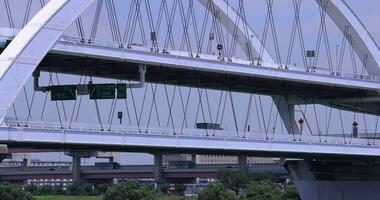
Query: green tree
[(13, 192), (100, 188), (290, 193), (58, 190), (234, 180), (217, 191), (31, 188), (45, 190), (130, 190), (262, 190), (164, 187), (180, 188), (76, 189)]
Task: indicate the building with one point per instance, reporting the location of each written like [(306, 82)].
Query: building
[(215, 159)]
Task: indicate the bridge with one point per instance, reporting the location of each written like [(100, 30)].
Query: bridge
[(182, 75), (91, 173)]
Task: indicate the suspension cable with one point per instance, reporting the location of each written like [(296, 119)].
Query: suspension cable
[(376, 126), (185, 111), (234, 114), (95, 24), (322, 34), (9, 14), (170, 107), (134, 106), (218, 112), (27, 12), (151, 106), (248, 113), (171, 103)]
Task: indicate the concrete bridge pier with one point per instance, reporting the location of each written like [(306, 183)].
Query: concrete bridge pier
[(194, 160), (242, 162), (3, 152), (335, 180), (76, 170), (158, 171)]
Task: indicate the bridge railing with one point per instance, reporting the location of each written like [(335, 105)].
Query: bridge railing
[(235, 60), (330, 139)]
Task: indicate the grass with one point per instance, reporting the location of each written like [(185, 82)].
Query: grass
[(63, 197)]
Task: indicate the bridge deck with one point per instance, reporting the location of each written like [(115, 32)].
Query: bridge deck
[(190, 141), (108, 61)]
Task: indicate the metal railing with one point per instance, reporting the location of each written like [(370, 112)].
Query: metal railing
[(247, 62), (193, 133)]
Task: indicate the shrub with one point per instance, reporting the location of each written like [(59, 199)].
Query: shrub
[(100, 188), (262, 190), (31, 189), (13, 192), (130, 190), (59, 190), (75, 189), (217, 191), (164, 187), (290, 193), (180, 188), (45, 190)]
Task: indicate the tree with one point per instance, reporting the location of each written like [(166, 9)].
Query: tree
[(180, 188), (58, 190), (130, 190), (217, 191), (45, 190), (164, 187), (32, 189), (234, 180), (262, 190), (100, 188), (290, 193), (13, 192), (75, 189)]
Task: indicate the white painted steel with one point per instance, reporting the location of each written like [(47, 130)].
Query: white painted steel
[(266, 70), (31, 44), (362, 41), (338, 10), (130, 139)]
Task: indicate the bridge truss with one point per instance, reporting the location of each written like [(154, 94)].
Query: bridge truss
[(206, 68)]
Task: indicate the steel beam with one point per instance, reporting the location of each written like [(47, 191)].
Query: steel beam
[(32, 43)]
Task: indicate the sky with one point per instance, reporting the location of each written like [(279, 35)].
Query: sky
[(367, 11)]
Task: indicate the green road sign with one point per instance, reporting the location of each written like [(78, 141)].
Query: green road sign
[(102, 91), (63, 93), (121, 90)]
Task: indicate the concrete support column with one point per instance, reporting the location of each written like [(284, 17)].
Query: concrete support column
[(242, 162), (4, 152), (158, 172), (194, 160), (286, 110), (76, 168), (77, 155), (330, 182)]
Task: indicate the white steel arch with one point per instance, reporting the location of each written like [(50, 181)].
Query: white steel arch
[(32, 43), (362, 43), (25, 52), (338, 10)]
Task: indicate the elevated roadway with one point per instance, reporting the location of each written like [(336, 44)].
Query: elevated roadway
[(107, 60), (191, 141), (131, 171)]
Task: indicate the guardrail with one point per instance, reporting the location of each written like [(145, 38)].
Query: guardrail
[(247, 62), (331, 139)]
